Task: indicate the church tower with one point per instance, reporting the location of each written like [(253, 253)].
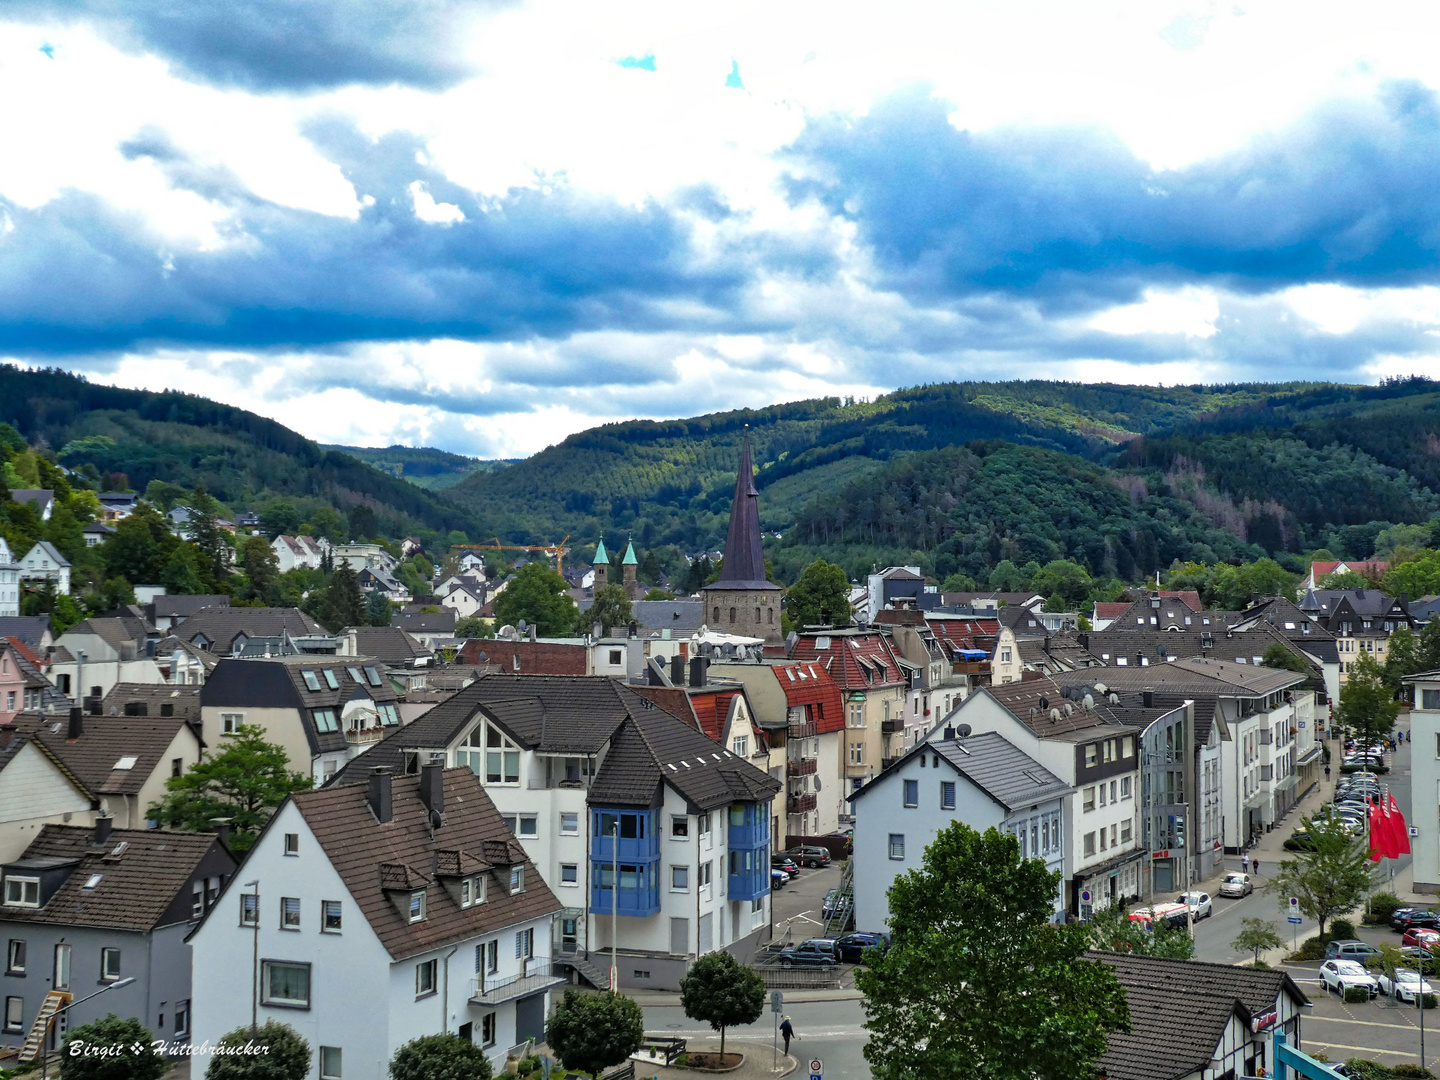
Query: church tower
[(601, 565), (742, 601), (629, 567)]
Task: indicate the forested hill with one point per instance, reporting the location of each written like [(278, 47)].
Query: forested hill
[(425, 467), (1204, 472), (242, 459)]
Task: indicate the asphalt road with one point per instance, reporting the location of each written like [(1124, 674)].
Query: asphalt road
[(828, 1030)]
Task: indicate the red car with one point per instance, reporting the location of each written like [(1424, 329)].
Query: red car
[(1425, 939)]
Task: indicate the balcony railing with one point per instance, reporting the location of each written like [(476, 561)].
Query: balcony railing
[(364, 736), (806, 730), (801, 804), (891, 727), (801, 766), (536, 973)]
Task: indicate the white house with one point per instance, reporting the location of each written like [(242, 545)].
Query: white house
[(369, 915), (361, 556), (568, 761), (36, 789), (295, 552), (43, 563), (95, 654), (464, 600), (1425, 778), (984, 781), (9, 582)]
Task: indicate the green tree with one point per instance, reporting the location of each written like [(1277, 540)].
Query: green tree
[(363, 522), (541, 597), (1007, 577), (87, 1052), (1257, 935), (377, 609), (721, 992), (209, 539), (328, 522), (116, 593), (592, 1032), (958, 583), (611, 607), (1403, 658), (976, 982), (262, 567), (244, 782), (474, 626), (439, 1057), (141, 546), (1330, 878), (1068, 580), (1345, 579), (183, 573), (1427, 651), (1114, 931), (343, 601), (821, 596), (287, 1056), (1419, 576), (1235, 586), (1284, 658), (1367, 703), (280, 519)]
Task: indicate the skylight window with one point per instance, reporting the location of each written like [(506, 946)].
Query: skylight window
[(311, 682), (126, 763), (372, 675), (92, 881), (356, 676), (330, 680)]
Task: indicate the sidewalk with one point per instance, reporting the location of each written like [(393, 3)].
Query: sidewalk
[(758, 1063), (658, 999)]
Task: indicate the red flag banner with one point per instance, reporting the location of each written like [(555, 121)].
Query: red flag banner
[(1377, 834), (1402, 830)]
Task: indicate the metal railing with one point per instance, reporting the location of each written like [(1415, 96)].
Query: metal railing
[(801, 766)]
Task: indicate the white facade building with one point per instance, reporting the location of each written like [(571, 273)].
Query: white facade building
[(1425, 780), (9, 582)]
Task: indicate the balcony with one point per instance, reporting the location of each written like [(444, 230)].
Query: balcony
[(364, 736), (749, 874), (639, 836), (749, 827), (891, 727), (806, 730), (801, 804), (536, 974), (801, 766), (639, 890)]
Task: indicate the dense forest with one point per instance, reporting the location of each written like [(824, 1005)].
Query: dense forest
[(425, 467), (134, 437)]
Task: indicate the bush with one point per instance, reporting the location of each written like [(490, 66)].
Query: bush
[(1382, 906), (439, 1057), (136, 1058), (288, 1057), (1428, 1001), (1356, 993), (1408, 1071), (1312, 948), (1341, 930)]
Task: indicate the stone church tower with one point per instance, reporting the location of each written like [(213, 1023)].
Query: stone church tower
[(742, 601), (629, 568), (601, 566)]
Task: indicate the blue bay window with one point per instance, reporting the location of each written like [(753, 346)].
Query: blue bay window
[(749, 844), (637, 836)]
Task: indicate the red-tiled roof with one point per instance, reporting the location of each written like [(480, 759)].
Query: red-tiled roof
[(966, 633), (855, 661), (811, 686), (1105, 610), (712, 709), (536, 657), (1320, 569)]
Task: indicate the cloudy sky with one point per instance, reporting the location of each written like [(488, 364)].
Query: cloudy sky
[(482, 225)]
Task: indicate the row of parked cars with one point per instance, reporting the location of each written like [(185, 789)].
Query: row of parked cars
[(786, 866), (1345, 960), (827, 952)]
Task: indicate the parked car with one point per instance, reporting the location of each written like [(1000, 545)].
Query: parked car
[(1407, 985), (812, 952), (831, 903), (1417, 919), (1200, 907), (851, 947), (813, 857), (784, 862), (1421, 937), (1349, 949), (778, 879), (1340, 975), (1421, 958), (1236, 884)]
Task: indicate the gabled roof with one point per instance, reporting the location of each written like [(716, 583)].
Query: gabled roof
[(811, 687), (114, 755), (43, 496), (221, 626), (1011, 777), (134, 889), (390, 644), (1366, 603), (27, 628), (435, 622), (182, 606), (1166, 1043), (115, 632), (404, 852), (856, 659), (13, 741), (681, 617), (1034, 701), (47, 549), (157, 699)]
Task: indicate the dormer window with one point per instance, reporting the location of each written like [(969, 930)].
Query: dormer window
[(472, 891), (22, 892), (517, 879), (417, 905)]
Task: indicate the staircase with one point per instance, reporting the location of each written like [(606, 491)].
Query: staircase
[(593, 973), (54, 1001), (844, 904)]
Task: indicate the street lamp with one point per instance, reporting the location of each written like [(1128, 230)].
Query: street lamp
[(45, 1042), (615, 906), (255, 961)]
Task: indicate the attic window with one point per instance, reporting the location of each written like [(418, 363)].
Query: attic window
[(417, 905), (125, 764), (330, 680), (92, 881), (119, 849), (311, 682), (372, 675), (355, 675)]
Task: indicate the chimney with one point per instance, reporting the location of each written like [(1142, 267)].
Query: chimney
[(222, 830), (102, 830), (77, 723), (949, 732), (95, 705), (432, 788), (1084, 640), (677, 670), (1148, 697), (378, 794), (532, 633), (697, 671)]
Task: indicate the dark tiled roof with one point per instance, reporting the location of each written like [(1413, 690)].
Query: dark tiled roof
[(115, 632), (182, 607), (359, 847), (997, 767), (183, 701), (388, 643), (27, 628), (108, 741), (1159, 646), (1165, 1043), (222, 625), (135, 888), (681, 617), (13, 740), (1024, 701), (434, 622), (1370, 603)]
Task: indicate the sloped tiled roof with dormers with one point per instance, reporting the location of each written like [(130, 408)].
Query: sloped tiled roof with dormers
[(114, 755), (856, 659)]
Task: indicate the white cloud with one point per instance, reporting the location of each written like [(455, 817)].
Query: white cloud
[(427, 209)]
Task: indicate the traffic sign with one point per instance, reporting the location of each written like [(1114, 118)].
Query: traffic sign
[(1084, 896), (777, 1001), (1296, 919), (817, 1066), (1294, 902)]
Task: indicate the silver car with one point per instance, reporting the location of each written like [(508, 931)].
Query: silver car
[(1236, 884)]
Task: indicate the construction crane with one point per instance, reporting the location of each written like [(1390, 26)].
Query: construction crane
[(557, 551)]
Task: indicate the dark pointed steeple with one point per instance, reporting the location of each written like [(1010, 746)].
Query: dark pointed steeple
[(744, 566)]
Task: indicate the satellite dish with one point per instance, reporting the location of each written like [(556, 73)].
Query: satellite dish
[(1089, 702), (1054, 714), (962, 730), (1044, 703)]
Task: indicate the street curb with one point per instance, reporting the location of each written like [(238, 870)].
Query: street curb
[(651, 999)]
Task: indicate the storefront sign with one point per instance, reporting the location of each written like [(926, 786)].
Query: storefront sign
[(1264, 1022)]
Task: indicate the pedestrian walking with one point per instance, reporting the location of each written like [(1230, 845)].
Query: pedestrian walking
[(1256, 866), (787, 1031), (1245, 862)]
